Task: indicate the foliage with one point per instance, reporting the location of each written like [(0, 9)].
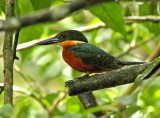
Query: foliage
[(41, 72), (112, 19)]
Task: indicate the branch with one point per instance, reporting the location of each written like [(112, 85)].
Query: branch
[(131, 19), (155, 54), (82, 29), (55, 14), (91, 27), (105, 80), (134, 47), (128, 20), (55, 103), (15, 44), (133, 87), (40, 101), (47, 15), (88, 100), (8, 57), (32, 84)]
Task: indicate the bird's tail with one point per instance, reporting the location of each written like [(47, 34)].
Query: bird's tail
[(127, 62)]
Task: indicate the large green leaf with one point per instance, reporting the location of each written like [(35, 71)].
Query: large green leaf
[(40, 4), (130, 111), (23, 7), (73, 105), (149, 69), (2, 6), (110, 14)]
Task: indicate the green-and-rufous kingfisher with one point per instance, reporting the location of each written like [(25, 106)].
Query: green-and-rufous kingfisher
[(83, 56)]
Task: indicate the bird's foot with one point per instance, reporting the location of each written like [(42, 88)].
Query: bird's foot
[(83, 76)]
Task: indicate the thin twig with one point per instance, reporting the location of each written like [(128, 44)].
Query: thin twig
[(82, 29), (40, 101), (1, 89), (15, 44), (91, 27), (135, 34), (33, 84), (134, 47), (131, 19), (55, 103), (17, 69), (121, 106), (128, 20), (36, 98)]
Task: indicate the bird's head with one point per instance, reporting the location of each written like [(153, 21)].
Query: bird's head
[(65, 38)]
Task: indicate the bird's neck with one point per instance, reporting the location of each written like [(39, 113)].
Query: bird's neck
[(69, 43)]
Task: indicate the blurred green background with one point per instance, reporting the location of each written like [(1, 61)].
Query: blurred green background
[(40, 72)]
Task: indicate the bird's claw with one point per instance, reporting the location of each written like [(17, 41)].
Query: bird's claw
[(83, 76)]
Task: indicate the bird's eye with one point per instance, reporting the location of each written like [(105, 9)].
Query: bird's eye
[(63, 36)]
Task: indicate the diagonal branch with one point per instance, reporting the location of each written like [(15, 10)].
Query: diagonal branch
[(55, 103), (82, 29), (55, 14), (105, 80), (47, 15), (15, 44)]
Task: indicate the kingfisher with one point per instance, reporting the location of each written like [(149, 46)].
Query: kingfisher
[(83, 56)]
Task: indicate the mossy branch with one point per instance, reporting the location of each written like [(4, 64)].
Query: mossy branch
[(8, 57), (105, 80)]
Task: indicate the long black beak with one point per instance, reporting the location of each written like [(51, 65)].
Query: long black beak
[(49, 41)]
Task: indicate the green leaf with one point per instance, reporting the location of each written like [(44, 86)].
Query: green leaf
[(72, 105), (6, 111), (41, 4), (16, 8), (110, 14), (128, 99), (23, 7), (148, 8), (147, 49), (153, 28), (2, 6), (130, 111), (50, 97), (147, 71), (144, 9)]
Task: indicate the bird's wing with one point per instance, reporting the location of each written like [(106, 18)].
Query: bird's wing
[(92, 55)]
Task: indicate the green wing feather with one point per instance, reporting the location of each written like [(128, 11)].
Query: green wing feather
[(92, 55)]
